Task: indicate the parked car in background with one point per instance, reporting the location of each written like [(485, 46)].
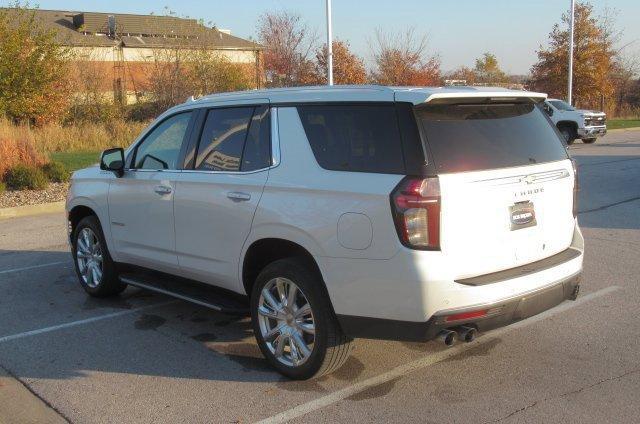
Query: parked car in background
[(573, 123), (331, 213)]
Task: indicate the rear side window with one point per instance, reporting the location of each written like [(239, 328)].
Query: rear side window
[(257, 149), (235, 139), (472, 137), (360, 138), (222, 139)]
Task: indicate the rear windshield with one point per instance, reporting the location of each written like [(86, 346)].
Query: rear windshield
[(472, 137)]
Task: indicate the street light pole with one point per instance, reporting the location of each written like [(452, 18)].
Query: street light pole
[(329, 46), (570, 82)]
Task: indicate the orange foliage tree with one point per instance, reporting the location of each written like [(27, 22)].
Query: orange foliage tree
[(34, 69), (403, 59), (289, 44), (593, 61), (348, 68)]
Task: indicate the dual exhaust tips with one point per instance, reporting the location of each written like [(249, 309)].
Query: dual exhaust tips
[(465, 334)]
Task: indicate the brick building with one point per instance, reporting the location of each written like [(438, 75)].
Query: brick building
[(119, 47)]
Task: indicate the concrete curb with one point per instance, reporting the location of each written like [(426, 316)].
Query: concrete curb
[(18, 405), (623, 129), (29, 210)]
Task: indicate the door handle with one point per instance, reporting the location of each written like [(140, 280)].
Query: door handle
[(238, 196), (163, 189)]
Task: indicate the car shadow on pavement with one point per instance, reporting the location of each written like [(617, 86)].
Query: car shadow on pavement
[(175, 339)]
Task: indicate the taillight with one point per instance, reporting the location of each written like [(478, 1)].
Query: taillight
[(576, 187), (415, 205)]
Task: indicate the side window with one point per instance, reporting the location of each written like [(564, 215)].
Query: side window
[(359, 138), (223, 138), (161, 148), (257, 150)]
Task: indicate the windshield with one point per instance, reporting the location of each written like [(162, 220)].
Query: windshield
[(560, 105), (471, 137)]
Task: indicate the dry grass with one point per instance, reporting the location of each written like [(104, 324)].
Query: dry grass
[(85, 137), (32, 146), (17, 146)]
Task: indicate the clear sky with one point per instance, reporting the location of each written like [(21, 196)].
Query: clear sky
[(459, 30)]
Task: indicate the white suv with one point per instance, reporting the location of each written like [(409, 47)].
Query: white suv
[(328, 213)]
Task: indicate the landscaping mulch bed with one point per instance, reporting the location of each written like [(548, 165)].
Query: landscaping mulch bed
[(54, 193)]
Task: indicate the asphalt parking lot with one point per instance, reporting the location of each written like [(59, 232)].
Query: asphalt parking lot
[(143, 357)]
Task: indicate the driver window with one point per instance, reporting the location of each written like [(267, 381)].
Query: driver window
[(161, 147)]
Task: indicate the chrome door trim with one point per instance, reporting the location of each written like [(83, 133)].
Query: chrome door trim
[(275, 138)]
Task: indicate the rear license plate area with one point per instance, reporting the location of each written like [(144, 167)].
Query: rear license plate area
[(522, 215)]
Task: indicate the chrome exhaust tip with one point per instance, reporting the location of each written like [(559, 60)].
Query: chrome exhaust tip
[(448, 337), (466, 334)]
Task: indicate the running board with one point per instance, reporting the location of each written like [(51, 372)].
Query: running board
[(190, 291)]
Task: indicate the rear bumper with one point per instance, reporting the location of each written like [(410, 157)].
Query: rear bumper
[(591, 132), (498, 313)]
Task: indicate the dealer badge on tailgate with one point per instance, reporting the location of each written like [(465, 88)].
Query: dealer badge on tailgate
[(522, 215)]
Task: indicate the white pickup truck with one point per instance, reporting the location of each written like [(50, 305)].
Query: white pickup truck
[(576, 123)]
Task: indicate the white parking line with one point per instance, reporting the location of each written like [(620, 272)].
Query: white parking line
[(26, 268), (424, 362), (81, 322)]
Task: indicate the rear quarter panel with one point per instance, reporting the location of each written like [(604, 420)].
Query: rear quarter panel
[(305, 202)]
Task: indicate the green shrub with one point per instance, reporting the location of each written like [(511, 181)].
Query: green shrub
[(22, 177), (3, 187), (56, 172)]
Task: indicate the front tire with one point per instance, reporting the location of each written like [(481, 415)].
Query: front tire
[(294, 324), (94, 266), (589, 140)]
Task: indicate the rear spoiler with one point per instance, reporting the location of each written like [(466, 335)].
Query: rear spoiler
[(418, 97)]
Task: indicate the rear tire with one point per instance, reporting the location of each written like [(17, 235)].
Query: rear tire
[(589, 140), (94, 266), (282, 335)]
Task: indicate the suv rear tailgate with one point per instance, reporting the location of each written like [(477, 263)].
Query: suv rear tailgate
[(506, 183), (478, 232)]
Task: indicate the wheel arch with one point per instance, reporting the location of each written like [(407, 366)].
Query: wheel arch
[(82, 207), (78, 212), (573, 125), (269, 249)]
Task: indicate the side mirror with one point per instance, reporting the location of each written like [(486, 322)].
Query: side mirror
[(113, 160), (548, 109)]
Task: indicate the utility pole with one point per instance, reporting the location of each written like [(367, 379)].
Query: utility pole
[(570, 82), (329, 46)]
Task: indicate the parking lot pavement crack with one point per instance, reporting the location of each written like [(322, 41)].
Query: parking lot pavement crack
[(565, 394), (601, 208)]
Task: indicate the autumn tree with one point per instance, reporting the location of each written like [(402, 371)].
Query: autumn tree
[(192, 67), (289, 44), (593, 59), (92, 97), (167, 77), (212, 72), (348, 68), (463, 73), (33, 68), (403, 59), (487, 70)]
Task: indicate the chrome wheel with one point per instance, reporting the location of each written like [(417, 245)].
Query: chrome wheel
[(286, 322), (89, 257)]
